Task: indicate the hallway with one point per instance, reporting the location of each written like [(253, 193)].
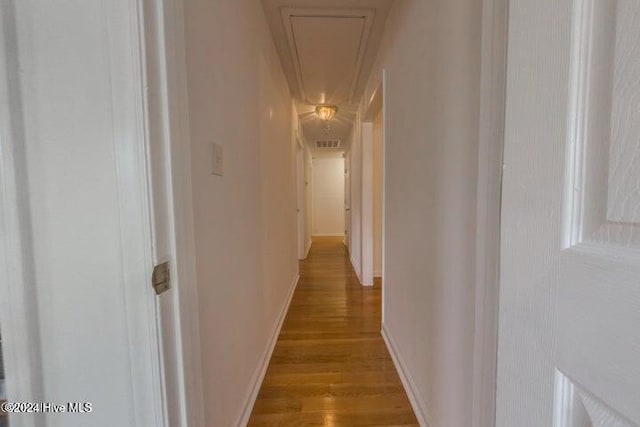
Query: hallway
[(165, 164), (330, 365)]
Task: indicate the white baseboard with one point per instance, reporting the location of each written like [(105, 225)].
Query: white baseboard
[(409, 386), (329, 235), (258, 376)]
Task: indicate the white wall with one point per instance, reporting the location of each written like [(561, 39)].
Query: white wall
[(245, 221), (328, 196), (431, 57)]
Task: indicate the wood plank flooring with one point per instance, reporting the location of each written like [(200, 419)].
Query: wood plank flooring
[(330, 366)]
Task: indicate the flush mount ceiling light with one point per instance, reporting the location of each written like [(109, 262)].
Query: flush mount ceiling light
[(326, 112)]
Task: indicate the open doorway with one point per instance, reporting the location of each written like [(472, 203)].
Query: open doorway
[(377, 198), (372, 215), (328, 196), (300, 199)]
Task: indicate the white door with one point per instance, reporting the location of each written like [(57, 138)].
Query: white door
[(76, 245), (569, 339)]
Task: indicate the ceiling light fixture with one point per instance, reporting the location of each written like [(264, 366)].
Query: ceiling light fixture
[(326, 112)]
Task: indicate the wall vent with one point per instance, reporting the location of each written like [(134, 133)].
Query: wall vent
[(327, 143)]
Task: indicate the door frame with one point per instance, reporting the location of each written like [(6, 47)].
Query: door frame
[(366, 206), (374, 106), (167, 34), (18, 303), (347, 202), (314, 165), (489, 205), (300, 200)]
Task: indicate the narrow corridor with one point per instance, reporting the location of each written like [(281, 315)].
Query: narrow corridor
[(330, 365)]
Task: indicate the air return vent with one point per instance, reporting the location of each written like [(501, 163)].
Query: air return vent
[(328, 143)]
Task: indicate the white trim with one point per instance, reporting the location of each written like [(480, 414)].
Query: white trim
[(383, 239), (181, 199), (310, 189), (489, 189), (374, 106), (366, 209), (409, 386), (131, 147), (573, 204), (300, 195), (18, 297), (165, 50), (329, 235), (261, 370)]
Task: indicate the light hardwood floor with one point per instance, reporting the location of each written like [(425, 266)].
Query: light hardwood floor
[(330, 366)]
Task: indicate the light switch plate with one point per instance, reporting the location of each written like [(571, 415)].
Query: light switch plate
[(216, 159)]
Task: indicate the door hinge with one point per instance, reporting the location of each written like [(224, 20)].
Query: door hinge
[(160, 279)]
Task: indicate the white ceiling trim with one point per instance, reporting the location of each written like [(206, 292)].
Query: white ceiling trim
[(289, 13)]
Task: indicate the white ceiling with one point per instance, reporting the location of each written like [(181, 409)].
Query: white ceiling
[(327, 48)]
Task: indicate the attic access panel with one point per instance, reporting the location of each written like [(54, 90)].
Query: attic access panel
[(327, 47)]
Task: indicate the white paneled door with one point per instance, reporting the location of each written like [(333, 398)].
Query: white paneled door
[(599, 293), (569, 352)]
